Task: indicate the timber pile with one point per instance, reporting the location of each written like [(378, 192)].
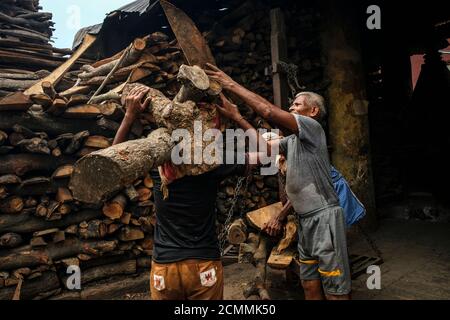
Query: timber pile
[(43, 229), (241, 44), (26, 53)]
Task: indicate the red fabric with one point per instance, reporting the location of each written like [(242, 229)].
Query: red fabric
[(169, 171)]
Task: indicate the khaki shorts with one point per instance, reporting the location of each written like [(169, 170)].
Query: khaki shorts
[(191, 279), (322, 248)]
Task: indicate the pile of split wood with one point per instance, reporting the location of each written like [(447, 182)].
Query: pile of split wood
[(26, 53), (43, 132)]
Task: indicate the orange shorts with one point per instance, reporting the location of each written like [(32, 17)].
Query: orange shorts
[(191, 279)]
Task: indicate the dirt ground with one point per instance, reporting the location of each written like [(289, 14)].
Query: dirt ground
[(416, 266)]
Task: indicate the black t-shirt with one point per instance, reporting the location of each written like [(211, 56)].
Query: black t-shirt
[(185, 221)]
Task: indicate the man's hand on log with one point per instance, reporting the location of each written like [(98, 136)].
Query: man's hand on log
[(273, 227), (134, 104), (221, 77), (228, 109)]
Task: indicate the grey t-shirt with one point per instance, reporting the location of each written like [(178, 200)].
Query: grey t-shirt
[(308, 180)]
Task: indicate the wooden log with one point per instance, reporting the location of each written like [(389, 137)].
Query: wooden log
[(37, 242), (148, 182), (126, 217), (258, 218), (114, 163), (42, 99), (63, 172), (21, 164), (56, 75), (34, 145), (114, 208), (29, 257), (237, 232), (106, 271), (111, 95), (130, 234), (144, 193), (64, 195), (94, 229), (57, 107), (15, 102), (10, 240), (48, 89), (87, 111), (77, 89), (77, 99), (76, 142), (26, 223), (290, 234), (116, 287), (132, 56), (280, 259), (131, 193), (38, 186), (98, 142), (31, 288), (9, 179), (12, 204), (3, 137), (257, 286), (56, 126), (247, 249)]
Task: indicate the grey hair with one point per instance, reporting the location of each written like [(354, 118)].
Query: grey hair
[(314, 99)]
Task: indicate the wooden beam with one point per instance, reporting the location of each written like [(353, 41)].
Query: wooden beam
[(278, 45), (56, 75)]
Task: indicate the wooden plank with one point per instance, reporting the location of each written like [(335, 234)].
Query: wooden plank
[(15, 102), (279, 53), (258, 218), (280, 260), (56, 75)]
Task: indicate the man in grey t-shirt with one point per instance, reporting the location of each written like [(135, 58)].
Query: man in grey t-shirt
[(322, 232)]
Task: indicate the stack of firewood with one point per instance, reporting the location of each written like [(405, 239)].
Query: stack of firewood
[(241, 44), (26, 53), (43, 229)]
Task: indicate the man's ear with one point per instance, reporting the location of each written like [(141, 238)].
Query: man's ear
[(314, 113)]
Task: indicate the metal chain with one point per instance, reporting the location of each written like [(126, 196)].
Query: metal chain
[(291, 71), (224, 231)]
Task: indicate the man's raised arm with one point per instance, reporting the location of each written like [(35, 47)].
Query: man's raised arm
[(134, 108), (260, 105)]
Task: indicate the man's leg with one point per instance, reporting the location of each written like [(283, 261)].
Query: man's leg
[(313, 289), (309, 266), (331, 250)]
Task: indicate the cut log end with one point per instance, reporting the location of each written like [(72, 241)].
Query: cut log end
[(94, 179)]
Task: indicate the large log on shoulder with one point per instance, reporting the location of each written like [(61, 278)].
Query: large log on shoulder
[(100, 174)]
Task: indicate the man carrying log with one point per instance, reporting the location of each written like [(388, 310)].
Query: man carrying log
[(322, 234), (186, 257)]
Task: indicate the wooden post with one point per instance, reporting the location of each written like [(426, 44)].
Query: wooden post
[(279, 53), (347, 104)]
